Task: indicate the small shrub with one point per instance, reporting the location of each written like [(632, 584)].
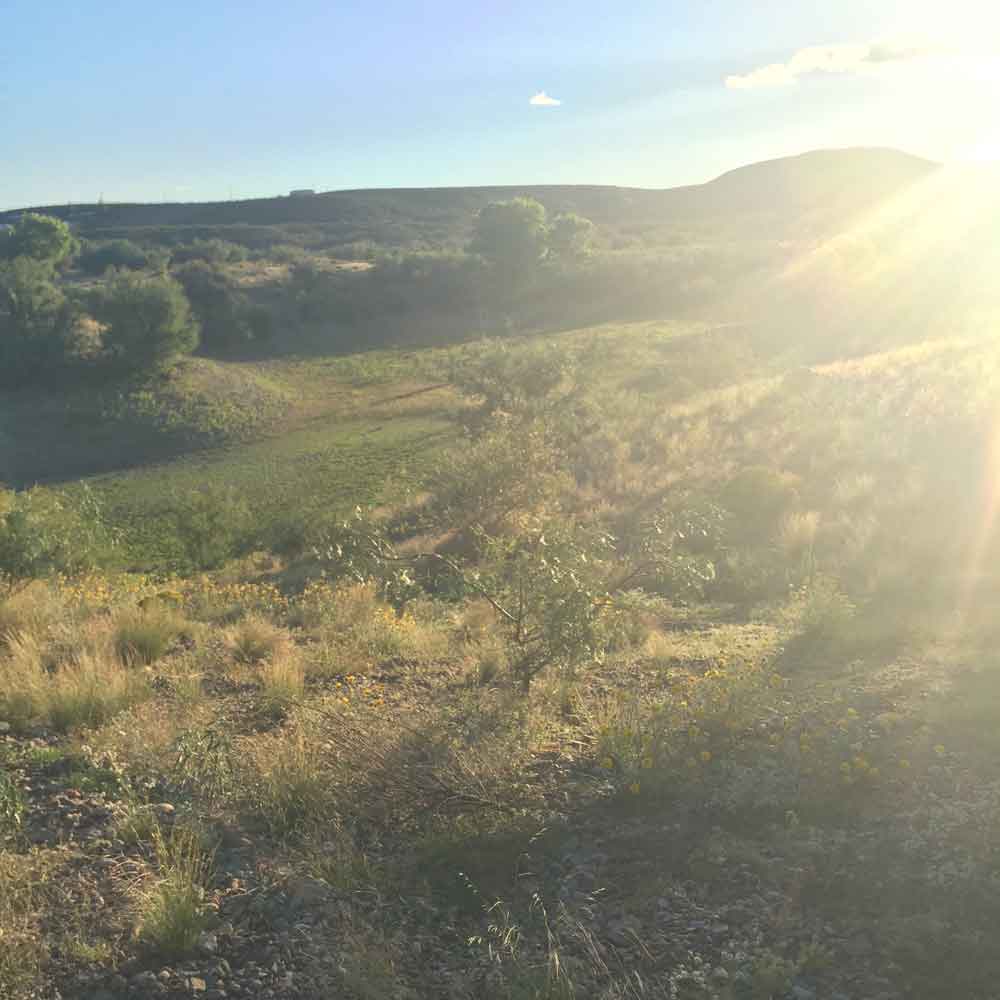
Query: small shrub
[(211, 525), (491, 660), (771, 978), (214, 250), (44, 532), (96, 258), (227, 319), (204, 764), (137, 823), (32, 609), (84, 691), (23, 681), (825, 611)]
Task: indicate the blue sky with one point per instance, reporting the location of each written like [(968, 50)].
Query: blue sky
[(203, 99)]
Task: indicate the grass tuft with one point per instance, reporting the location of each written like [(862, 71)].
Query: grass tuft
[(143, 637), (254, 639), (171, 900)]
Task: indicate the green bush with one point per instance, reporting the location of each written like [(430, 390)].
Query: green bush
[(225, 314), (149, 322), (41, 238), (96, 258), (212, 526), (214, 251), (43, 532)]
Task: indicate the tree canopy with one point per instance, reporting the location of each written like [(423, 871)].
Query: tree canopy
[(40, 237), (148, 321)]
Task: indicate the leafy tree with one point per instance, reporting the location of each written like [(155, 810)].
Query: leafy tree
[(40, 237), (510, 235), (149, 322), (34, 319), (570, 237)]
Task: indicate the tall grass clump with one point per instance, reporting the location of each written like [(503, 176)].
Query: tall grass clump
[(254, 640), (171, 899), (142, 637), (282, 680), (32, 609), (85, 691), (288, 783), (22, 680)]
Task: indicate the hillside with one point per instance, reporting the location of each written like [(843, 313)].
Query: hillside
[(640, 659), (830, 187)]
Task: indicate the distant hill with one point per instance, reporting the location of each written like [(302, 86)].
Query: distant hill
[(819, 189)]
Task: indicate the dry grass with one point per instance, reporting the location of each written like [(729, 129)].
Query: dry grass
[(85, 691), (282, 680), (22, 949), (144, 636), (170, 898), (31, 610), (254, 640)]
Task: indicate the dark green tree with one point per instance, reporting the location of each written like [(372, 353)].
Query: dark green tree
[(148, 321), (222, 311), (510, 236), (34, 320), (40, 237), (570, 238)]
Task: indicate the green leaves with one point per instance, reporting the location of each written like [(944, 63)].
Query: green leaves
[(43, 532), (149, 322), (41, 238)]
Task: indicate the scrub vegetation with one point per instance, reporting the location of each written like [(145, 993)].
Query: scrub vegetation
[(483, 624)]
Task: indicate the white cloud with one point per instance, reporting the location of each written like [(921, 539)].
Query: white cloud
[(542, 100), (852, 58)]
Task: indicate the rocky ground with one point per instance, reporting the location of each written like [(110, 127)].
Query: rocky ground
[(619, 894)]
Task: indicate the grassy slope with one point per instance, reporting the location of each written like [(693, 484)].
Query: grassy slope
[(651, 883)]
